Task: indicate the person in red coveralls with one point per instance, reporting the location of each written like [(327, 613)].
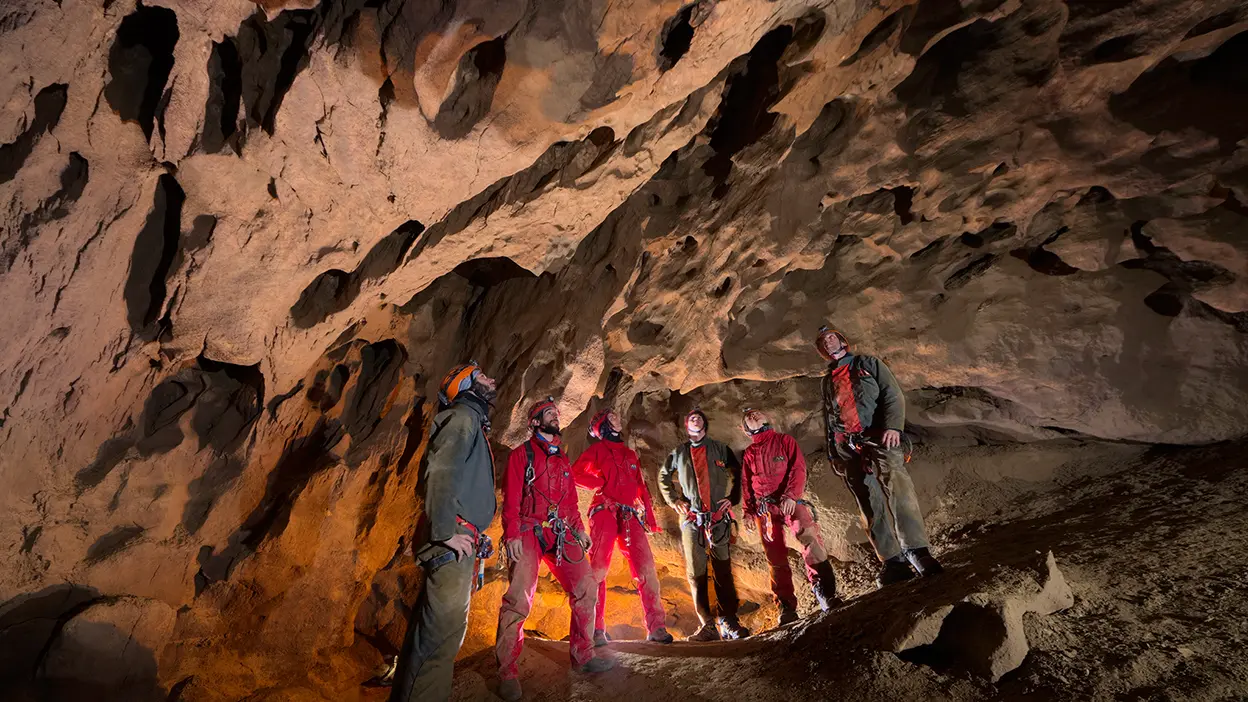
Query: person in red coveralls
[(773, 481), (621, 512), (541, 522)]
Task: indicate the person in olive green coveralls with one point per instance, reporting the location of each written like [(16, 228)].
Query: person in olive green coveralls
[(459, 504), (709, 477), (864, 414)]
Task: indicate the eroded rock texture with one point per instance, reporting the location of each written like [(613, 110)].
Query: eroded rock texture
[(242, 240)]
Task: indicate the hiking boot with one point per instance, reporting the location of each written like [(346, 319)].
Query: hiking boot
[(597, 665), (895, 570), (660, 636), (601, 638), (788, 615), (706, 633), (824, 586), (386, 677), (510, 690), (730, 629), (924, 562)]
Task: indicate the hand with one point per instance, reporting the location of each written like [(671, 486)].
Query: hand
[(723, 505), (682, 508), (461, 544), (892, 439), (787, 506), (515, 549)]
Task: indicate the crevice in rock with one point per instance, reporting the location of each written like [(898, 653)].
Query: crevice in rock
[(139, 64), (879, 34), (304, 457), (676, 38), (1114, 50), (329, 293), (488, 272), (1209, 94), (1185, 278), (49, 104), (743, 116), (114, 542), (107, 457), (997, 231), (479, 71), (903, 199), (225, 94), (272, 55), (327, 387), (278, 400), (1222, 20), (1044, 261), (154, 250), (381, 369), (232, 402), (205, 490), (970, 271), (414, 424), (30, 537), (334, 290), (385, 97)]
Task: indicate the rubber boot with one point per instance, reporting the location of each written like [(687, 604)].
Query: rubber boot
[(824, 586), (924, 562), (601, 638), (788, 615), (895, 570), (730, 629), (510, 690), (705, 634), (597, 665), (660, 636)]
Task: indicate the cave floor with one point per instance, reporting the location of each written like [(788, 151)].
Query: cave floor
[(1156, 558)]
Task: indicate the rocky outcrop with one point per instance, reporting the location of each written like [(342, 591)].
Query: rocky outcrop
[(242, 240)]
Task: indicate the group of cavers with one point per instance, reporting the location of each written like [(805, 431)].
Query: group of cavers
[(702, 480)]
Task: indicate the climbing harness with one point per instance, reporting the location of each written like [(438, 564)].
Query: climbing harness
[(563, 531), (622, 513), (764, 513), (707, 521), (858, 442), (483, 549)]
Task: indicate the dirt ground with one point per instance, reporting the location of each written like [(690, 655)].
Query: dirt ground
[(1155, 556)]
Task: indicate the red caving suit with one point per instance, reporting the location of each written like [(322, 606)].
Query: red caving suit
[(526, 511), (613, 471), (773, 468)]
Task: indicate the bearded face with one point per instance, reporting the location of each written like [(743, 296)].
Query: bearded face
[(485, 388), (548, 422)]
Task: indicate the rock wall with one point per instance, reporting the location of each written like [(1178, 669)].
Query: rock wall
[(225, 314)]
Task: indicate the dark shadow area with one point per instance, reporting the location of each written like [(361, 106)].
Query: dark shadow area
[(675, 39), (139, 63), (225, 93), (1209, 94), (743, 116), (154, 250), (480, 70), (334, 290), (49, 104)]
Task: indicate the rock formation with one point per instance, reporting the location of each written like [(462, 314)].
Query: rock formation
[(243, 240)]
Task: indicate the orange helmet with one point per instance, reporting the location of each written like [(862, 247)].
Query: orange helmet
[(457, 380)]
